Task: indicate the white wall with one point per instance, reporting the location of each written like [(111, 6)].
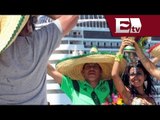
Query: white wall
[(54, 94)]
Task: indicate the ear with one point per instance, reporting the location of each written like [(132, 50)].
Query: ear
[(82, 72), (29, 26), (27, 29), (23, 31)]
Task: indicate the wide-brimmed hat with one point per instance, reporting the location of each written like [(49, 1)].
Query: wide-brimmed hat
[(73, 66), (10, 27), (154, 50)]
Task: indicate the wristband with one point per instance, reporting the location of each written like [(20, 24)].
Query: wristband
[(118, 57)]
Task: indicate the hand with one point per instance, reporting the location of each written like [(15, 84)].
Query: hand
[(130, 40), (155, 60), (145, 102), (125, 42)]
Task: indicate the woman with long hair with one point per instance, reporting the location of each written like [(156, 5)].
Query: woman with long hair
[(136, 84)]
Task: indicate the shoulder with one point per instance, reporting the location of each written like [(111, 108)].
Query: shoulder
[(58, 24)]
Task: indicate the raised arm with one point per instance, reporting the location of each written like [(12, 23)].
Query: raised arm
[(147, 63), (67, 22), (57, 76), (116, 76)]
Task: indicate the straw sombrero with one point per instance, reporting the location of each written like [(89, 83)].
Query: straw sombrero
[(10, 27), (154, 50), (72, 66)]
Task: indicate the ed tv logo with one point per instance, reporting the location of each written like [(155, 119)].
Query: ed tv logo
[(128, 25)]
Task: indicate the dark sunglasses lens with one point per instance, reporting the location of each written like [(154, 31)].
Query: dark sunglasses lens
[(133, 74), (139, 73)]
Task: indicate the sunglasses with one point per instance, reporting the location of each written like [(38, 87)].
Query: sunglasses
[(89, 66), (134, 74)]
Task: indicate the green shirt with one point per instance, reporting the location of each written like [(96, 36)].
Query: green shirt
[(83, 97)]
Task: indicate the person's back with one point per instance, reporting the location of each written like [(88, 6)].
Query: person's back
[(23, 66)]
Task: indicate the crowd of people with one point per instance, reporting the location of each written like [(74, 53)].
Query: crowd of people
[(95, 78)]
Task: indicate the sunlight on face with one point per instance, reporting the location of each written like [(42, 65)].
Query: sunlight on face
[(136, 79), (92, 71)]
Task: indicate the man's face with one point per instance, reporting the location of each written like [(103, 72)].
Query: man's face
[(92, 71)]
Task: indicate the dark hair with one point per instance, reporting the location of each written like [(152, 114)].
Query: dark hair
[(149, 89), (33, 21)]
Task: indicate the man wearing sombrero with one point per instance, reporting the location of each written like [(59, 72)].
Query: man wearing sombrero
[(86, 78), (24, 54)]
